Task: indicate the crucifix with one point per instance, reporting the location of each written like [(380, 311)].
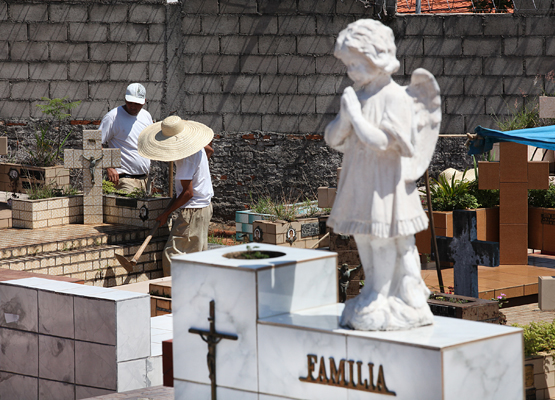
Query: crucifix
[(513, 175), (466, 252), (212, 338), (92, 159)]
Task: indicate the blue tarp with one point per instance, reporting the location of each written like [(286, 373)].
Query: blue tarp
[(543, 137)]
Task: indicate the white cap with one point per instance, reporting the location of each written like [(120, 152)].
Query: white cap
[(135, 93)]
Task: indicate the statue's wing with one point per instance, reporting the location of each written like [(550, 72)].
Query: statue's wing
[(424, 90)]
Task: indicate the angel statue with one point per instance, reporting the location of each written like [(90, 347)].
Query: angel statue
[(388, 134)]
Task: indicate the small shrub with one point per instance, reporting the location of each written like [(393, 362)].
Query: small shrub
[(48, 191), (539, 337), (449, 195), (542, 198)]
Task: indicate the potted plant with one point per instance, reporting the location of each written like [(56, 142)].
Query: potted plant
[(43, 162)]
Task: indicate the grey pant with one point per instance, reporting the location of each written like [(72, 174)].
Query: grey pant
[(189, 234)]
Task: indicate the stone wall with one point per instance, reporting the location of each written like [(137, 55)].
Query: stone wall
[(260, 73)]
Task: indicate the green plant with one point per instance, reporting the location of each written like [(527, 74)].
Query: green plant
[(539, 337), (525, 116), (542, 198), (284, 209), (449, 195), (47, 191), (501, 299), (251, 253)]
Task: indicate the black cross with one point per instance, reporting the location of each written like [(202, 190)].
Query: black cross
[(466, 252), (212, 338)]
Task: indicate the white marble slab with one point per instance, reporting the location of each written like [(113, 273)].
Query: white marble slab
[(132, 375), (133, 328), (154, 371), (235, 309), (13, 386)]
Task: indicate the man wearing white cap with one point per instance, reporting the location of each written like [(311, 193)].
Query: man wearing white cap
[(188, 144), (120, 129)]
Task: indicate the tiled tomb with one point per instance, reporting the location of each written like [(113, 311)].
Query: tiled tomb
[(66, 341), (290, 345)]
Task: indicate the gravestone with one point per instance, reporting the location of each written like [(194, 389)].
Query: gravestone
[(92, 159), (466, 252), (513, 175)]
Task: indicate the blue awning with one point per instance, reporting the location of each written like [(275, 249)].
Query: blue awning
[(543, 137)]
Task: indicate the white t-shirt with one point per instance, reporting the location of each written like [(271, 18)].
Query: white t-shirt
[(121, 130), (195, 168)]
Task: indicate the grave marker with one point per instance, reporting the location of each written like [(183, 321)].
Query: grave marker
[(513, 175), (92, 159), (466, 252)]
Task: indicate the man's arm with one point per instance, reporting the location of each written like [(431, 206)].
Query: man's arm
[(209, 150), (182, 199), (106, 128)]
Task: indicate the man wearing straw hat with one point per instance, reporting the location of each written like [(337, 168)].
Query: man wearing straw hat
[(188, 144), (120, 129)]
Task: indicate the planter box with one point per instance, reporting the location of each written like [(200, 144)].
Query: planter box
[(541, 229), (539, 371), (43, 213), (160, 298), (487, 226), (134, 212), (30, 175), (472, 309), (303, 233)]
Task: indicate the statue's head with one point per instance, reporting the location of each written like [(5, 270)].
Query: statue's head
[(373, 40)]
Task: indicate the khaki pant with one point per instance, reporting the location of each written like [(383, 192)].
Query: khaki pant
[(189, 234), (129, 184)]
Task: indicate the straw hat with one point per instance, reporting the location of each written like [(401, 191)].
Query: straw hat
[(173, 139)]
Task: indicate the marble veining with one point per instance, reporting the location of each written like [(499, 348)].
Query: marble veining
[(56, 358), (18, 308), (55, 312), (132, 375), (95, 320), (19, 352), (95, 365), (133, 328), (185, 390)]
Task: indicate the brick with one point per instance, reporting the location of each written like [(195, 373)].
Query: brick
[(424, 25), (128, 33), (29, 51), (467, 25), (315, 44), (328, 104), (74, 90), (318, 84), (29, 90), (472, 121), (277, 7), (14, 109), (214, 121), (157, 33), (128, 71), (222, 103), (221, 24), (539, 65), (314, 123), (297, 25), (245, 45), (146, 52), (108, 13), (194, 64), (154, 90), (193, 103), (148, 14), (465, 105), (436, 46), (482, 46), (278, 84), (259, 104), (280, 123), (411, 46), (200, 7), (67, 13), (47, 71), (221, 64), (48, 32), (503, 66), (299, 65), (256, 25), (451, 124), (68, 52), (503, 105), (241, 84), (14, 32), (462, 66), (203, 83), (540, 26), (108, 52), (277, 44), (317, 7), (483, 86), (3, 10), (88, 32), (242, 122), (522, 86), (201, 44), (88, 71), (329, 65), (432, 64), (502, 25), (192, 24), (253, 64), (237, 7), (28, 12), (450, 85), (332, 24), (549, 45), (297, 104), (4, 89), (523, 46), (156, 71), (107, 90)]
